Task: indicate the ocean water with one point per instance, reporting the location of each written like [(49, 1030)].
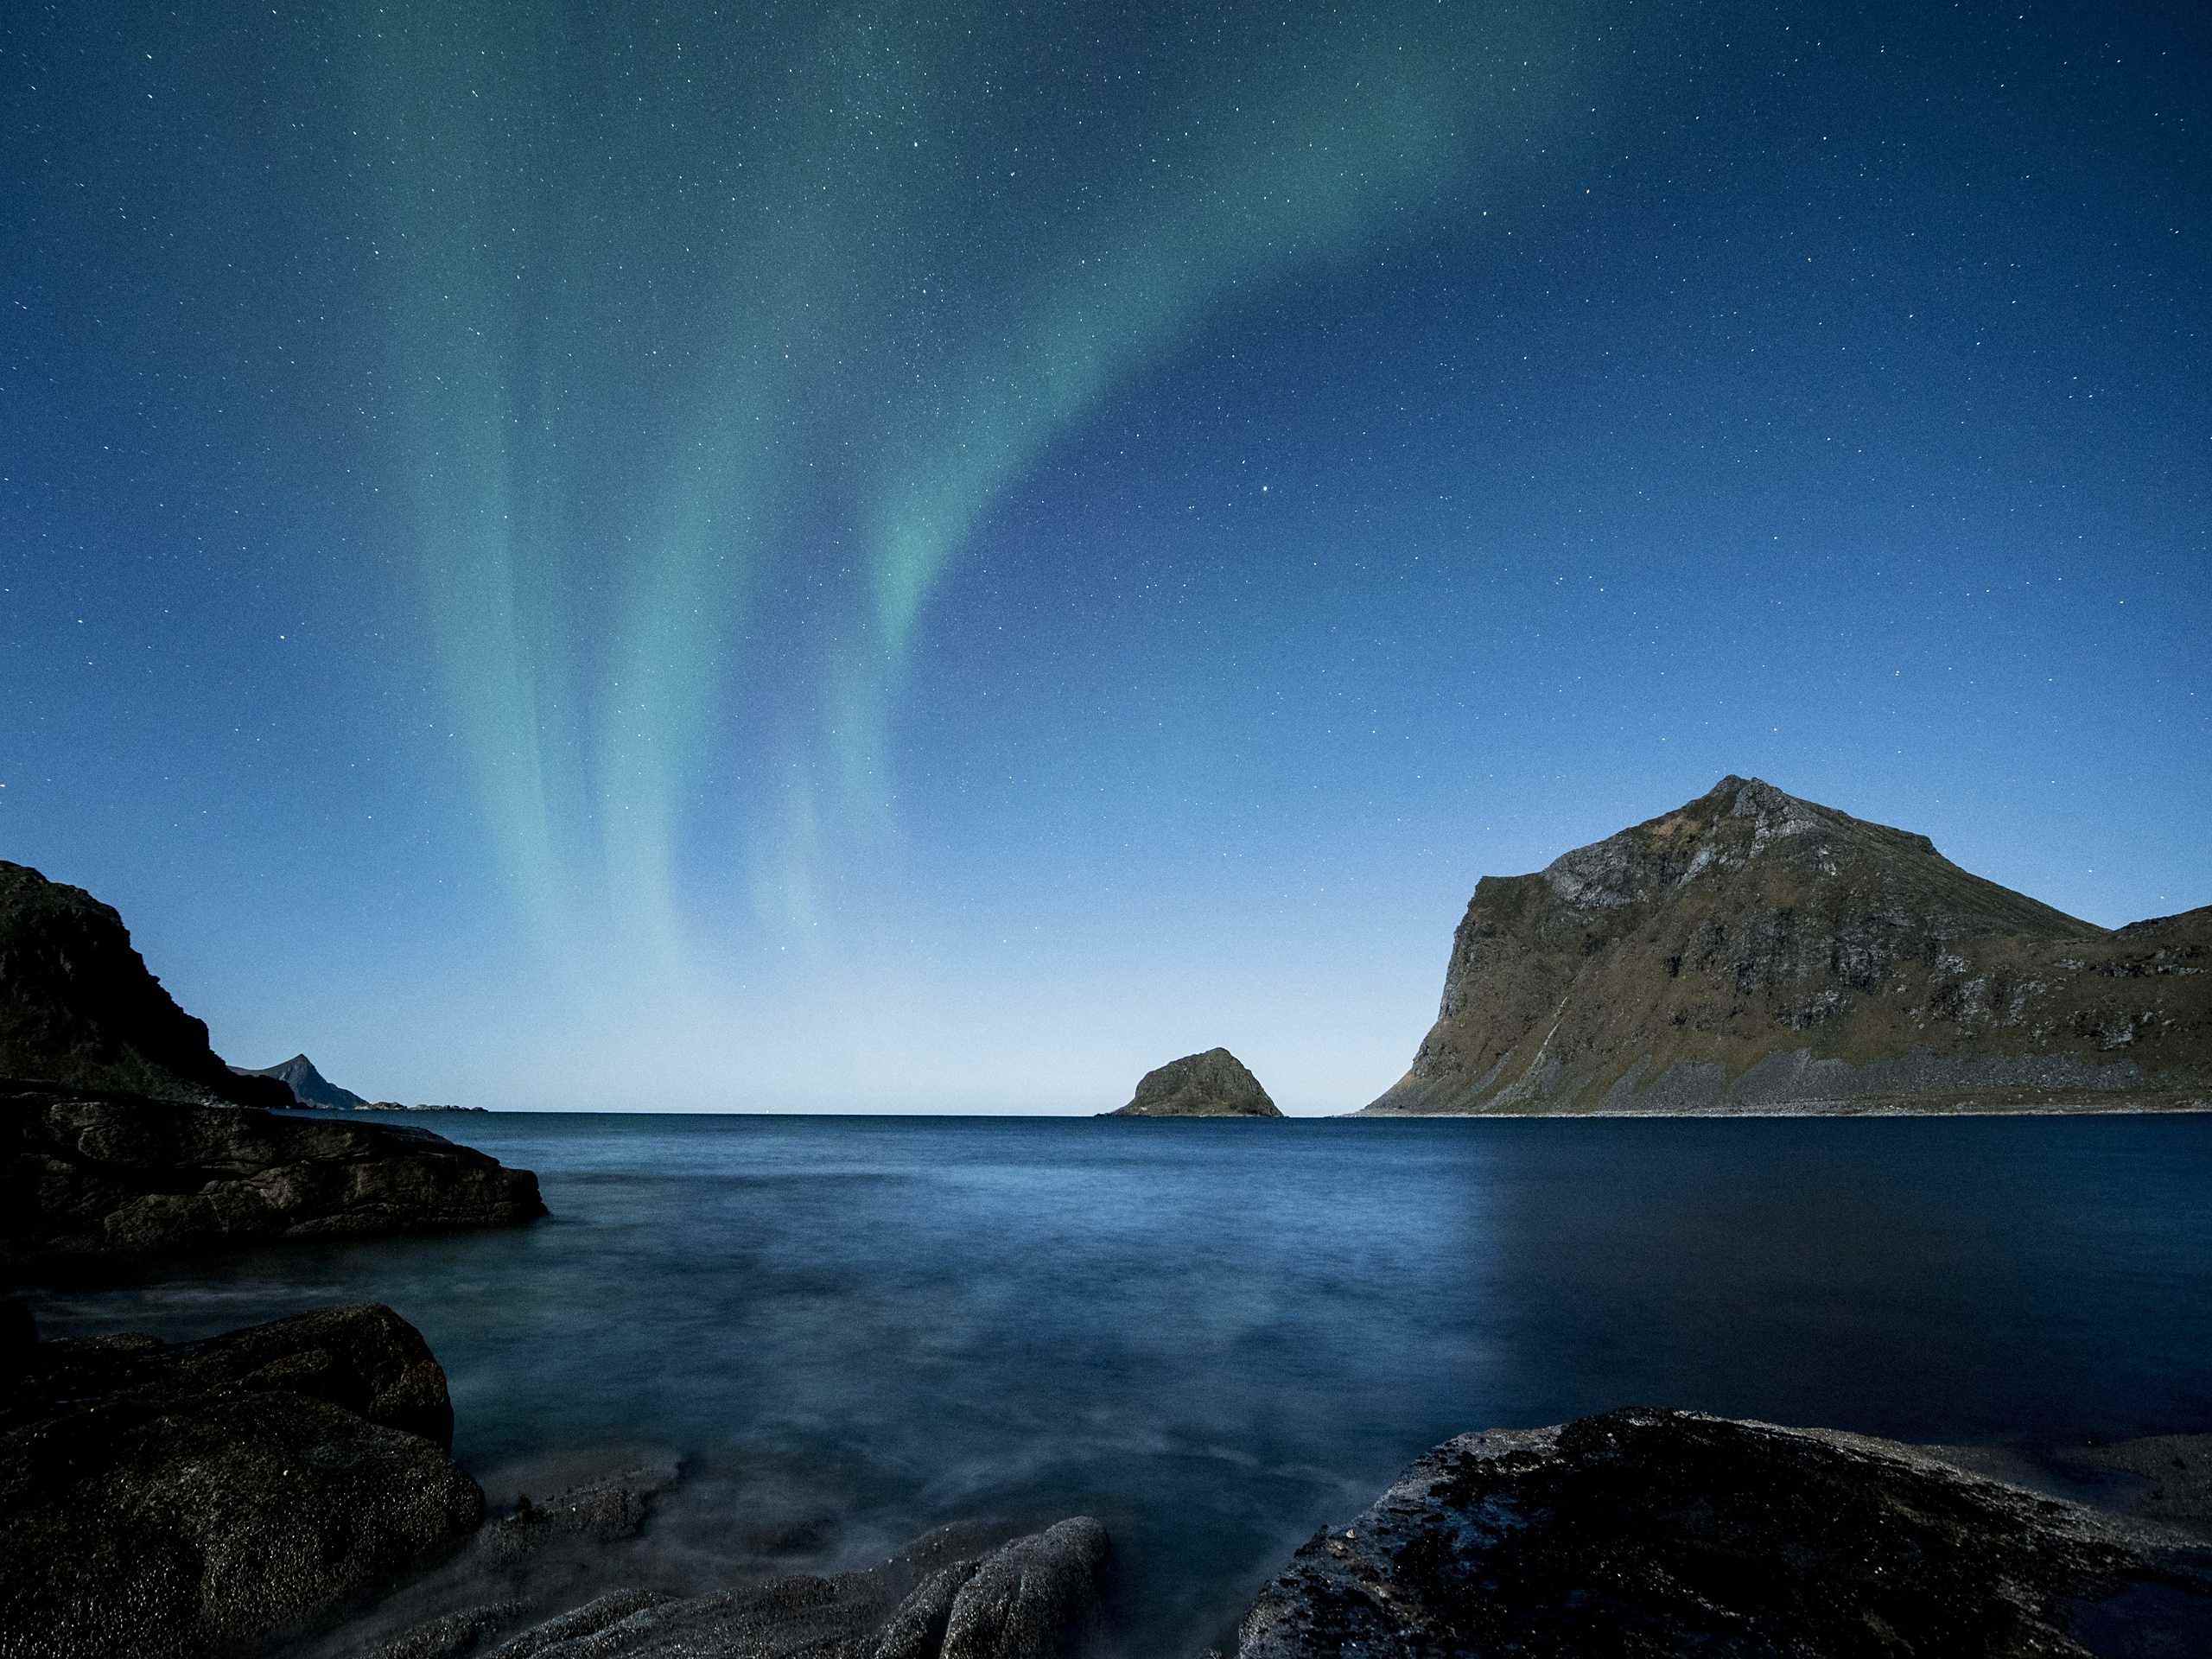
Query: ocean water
[(1219, 1336)]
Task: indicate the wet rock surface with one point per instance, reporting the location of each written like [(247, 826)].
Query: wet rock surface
[(86, 1177), (1023, 1600), (956, 1594), (1753, 952), (1646, 1532), (1213, 1084), (199, 1499)]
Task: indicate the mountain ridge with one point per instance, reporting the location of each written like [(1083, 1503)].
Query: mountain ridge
[(1751, 950), (308, 1086)]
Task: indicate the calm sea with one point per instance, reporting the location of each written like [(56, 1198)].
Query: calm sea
[(1220, 1336)]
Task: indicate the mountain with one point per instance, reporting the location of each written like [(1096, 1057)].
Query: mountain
[(308, 1085), (1752, 952), (79, 1006), (1211, 1085)]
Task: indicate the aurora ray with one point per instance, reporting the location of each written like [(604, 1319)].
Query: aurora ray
[(873, 318)]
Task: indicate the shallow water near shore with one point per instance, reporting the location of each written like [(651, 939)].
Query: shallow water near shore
[(1220, 1336)]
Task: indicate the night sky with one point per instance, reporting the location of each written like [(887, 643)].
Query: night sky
[(933, 556)]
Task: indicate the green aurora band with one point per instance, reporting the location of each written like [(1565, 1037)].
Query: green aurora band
[(713, 339)]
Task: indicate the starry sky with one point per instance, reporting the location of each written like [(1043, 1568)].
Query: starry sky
[(934, 557)]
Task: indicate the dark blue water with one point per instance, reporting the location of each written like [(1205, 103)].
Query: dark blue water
[(1219, 1336)]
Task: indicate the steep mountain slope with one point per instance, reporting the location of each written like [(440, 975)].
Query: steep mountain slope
[(1754, 951), (79, 1006)]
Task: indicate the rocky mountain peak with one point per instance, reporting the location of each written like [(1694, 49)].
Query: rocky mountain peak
[(1737, 819), (1751, 940)]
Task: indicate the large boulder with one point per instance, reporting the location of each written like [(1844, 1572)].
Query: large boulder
[(86, 1177), (79, 1006), (1213, 1084), (1667, 1532), (1025, 1600), (201, 1498)]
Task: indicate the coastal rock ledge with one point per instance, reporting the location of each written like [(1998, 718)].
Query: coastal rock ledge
[(1668, 1532), (1213, 1084), (86, 1177)]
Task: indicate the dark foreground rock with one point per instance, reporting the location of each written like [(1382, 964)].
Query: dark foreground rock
[(1657, 1533), (86, 1177), (196, 1499), (943, 1598), (79, 1006), (1213, 1084)]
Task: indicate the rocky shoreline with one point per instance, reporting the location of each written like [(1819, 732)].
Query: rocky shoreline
[(2179, 1103), (124, 1137), (288, 1490)]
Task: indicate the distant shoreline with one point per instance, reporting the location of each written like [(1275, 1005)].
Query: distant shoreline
[(2194, 1107), (1838, 1109)]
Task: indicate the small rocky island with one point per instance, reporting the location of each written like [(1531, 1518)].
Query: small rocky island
[(1213, 1084)]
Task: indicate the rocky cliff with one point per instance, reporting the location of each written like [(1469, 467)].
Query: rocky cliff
[(308, 1086), (1213, 1084), (1752, 951), (78, 1005)]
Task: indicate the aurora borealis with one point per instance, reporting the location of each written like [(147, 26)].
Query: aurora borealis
[(901, 274), (938, 556)]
